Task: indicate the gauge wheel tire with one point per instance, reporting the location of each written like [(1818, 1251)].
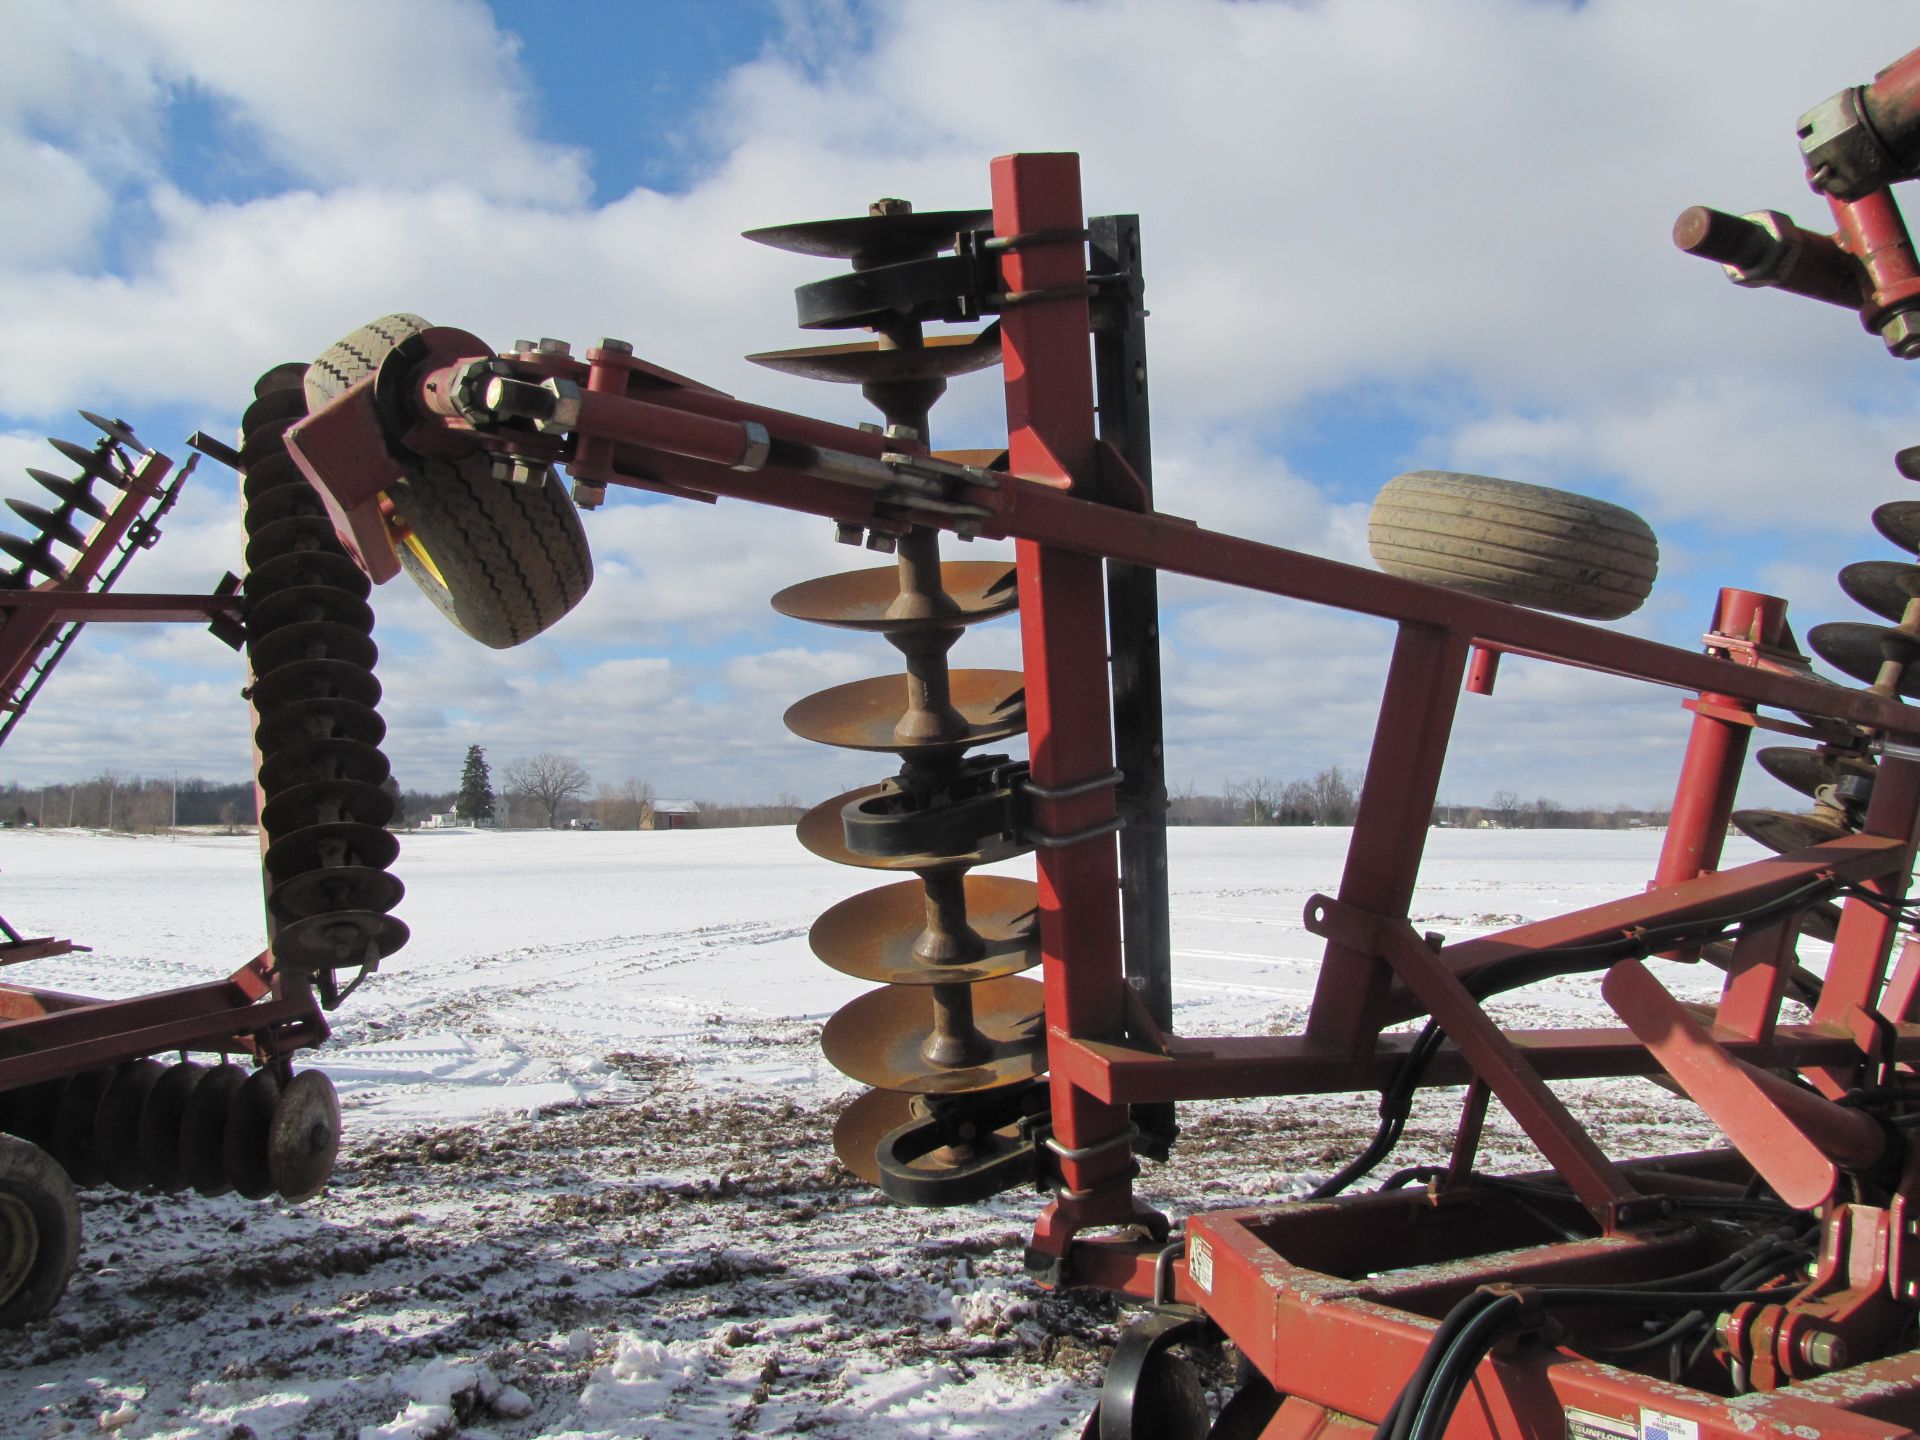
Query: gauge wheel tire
[(1527, 544), (502, 561), (39, 1232)]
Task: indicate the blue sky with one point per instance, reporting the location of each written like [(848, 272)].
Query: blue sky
[(1380, 235)]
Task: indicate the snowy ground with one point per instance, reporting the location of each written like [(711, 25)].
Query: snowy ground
[(587, 1188)]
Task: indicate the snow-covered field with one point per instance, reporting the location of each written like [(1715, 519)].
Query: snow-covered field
[(587, 1188)]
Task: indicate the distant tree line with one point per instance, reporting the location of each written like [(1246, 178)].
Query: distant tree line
[(1332, 797), (115, 801)]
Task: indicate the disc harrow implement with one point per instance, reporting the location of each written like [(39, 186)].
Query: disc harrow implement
[(958, 1029)]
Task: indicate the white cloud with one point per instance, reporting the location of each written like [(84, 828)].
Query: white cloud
[(1465, 200)]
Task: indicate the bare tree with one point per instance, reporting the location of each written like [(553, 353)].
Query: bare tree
[(624, 806), (1257, 798), (1505, 806), (1335, 797), (549, 780)]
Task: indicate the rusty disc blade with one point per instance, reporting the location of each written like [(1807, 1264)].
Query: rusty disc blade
[(1783, 831), (992, 705), (311, 680), (867, 599), (335, 888), (1858, 649), (316, 567), (304, 1139), (311, 640), (874, 238), (289, 537), (863, 362), (338, 940), (48, 523), (1821, 922), (303, 604), (203, 1129), (325, 802), (1884, 586), (159, 1142), (116, 1129), (322, 846), (880, 1038), (118, 431), (322, 760), (324, 718), (97, 464), (1899, 521), (243, 1148), (823, 832), (1907, 462), (287, 403), (74, 1118), (871, 936), (1807, 770), (867, 1119)]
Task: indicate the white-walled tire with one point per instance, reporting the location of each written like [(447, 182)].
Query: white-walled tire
[(1527, 544)]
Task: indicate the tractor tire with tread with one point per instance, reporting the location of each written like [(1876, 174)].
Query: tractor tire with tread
[(503, 561), (1527, 544), (39, 1232)]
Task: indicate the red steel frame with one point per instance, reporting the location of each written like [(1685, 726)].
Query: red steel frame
[(48, 1034), (1278, 1280)]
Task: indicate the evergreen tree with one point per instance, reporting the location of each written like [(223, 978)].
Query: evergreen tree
[(475, 802)]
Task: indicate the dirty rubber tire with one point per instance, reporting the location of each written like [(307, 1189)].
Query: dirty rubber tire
[(512, 559), (1527, 544), (39, 1232)]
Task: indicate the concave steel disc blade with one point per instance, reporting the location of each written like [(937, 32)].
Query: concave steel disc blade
[(863, 599), (1907, 462), (326, 718), (863, 362), (317, 567), (269, 439), (862, 716), (871, 936), (1883, 586), (878, 1039), (323, 760), (300, 535), (72, 492), (243, 1148), (339, 940), (325, 802), (316, 680), (116, 430), (978, 459), (289, 403), (335, 888), (873, 237), (283, 502), (30, 1111), (159, 1143), (311, 640), (269, 473), (203, 1129), (116, 1128), (287, 375), (73, 1125), (92, 462), (867, 1119), (1856, 648), (1899, 521), (304, 1139), (1807, 770), (1783, 831), (823, 832), (1821, 922), (320, 846), (305, 604)]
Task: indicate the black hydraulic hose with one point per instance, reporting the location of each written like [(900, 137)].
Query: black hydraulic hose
[(1396, 1100)]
